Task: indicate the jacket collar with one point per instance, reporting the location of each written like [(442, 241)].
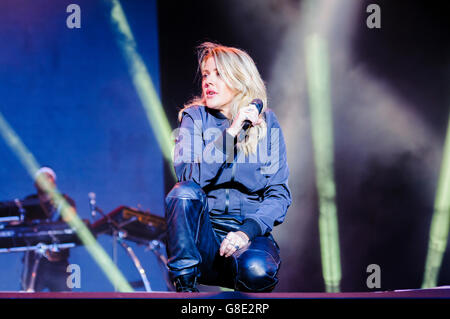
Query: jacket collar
[(219, 118), (215, 113)]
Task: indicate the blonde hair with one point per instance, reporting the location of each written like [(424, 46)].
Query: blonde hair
[(239, 72)]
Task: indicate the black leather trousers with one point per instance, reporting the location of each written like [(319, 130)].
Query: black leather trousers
[(193, 246)]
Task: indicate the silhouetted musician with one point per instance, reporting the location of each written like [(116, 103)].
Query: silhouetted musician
[(49, 266)]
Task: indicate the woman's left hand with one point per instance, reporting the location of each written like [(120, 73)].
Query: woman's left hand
[(232, 242)]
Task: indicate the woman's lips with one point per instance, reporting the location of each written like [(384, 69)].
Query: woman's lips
[(210, 93)]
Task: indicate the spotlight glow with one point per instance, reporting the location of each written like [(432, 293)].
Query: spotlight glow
[(143, 83), (317, 67), (440, 222)]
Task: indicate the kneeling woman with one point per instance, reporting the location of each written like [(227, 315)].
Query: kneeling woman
[(232, 187)]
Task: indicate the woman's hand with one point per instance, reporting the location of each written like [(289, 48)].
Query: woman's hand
[(234, 241), (249, 113)]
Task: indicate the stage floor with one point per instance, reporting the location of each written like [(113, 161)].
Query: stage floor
[(439, 292)]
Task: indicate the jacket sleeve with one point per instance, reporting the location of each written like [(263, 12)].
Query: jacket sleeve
[(276, 194), (192, 154)]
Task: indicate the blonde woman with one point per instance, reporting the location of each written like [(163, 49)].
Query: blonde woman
[(230, 160)]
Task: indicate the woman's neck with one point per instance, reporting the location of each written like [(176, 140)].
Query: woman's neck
[(227, 112)]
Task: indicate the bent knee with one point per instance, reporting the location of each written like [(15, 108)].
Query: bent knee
[(256, 271), (188, 190)]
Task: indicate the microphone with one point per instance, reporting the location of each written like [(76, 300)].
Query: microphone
[(259, 105), (92, 203)]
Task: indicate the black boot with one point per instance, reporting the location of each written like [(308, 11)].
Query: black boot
[(186, 283)]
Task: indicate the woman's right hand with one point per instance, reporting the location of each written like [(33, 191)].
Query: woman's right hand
[(249, 113)]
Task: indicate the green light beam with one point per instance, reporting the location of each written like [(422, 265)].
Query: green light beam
[(440, 220), (67, 212), (143, 83), (317, 68)]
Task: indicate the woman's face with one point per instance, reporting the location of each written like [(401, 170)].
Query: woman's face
[(217, 94)]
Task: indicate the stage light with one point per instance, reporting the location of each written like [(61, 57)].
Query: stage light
[(96, 251), (142, 82), (440, 222), (317, 67)]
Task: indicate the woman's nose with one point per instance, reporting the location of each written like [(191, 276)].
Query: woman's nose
[(209, 80)]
